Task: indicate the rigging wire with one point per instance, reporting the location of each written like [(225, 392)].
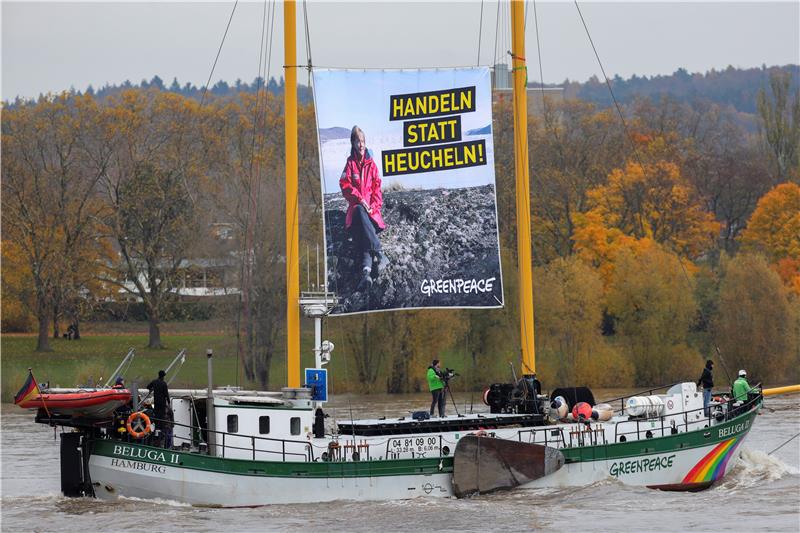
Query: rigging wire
[(545, 111), (605, 77), (784, 444), (496, 34), (308, 40), (254, 182), (480, 33), (219, 51)]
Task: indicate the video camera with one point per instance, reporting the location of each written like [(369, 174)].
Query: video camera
[(447, 374)]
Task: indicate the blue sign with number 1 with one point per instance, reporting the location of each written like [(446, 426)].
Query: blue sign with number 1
[(317, 381)]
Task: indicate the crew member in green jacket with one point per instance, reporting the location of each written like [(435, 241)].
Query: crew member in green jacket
[(436, 385), (741, 387)]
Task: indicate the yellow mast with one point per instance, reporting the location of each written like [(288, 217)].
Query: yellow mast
[(292, 231), (520, 73)]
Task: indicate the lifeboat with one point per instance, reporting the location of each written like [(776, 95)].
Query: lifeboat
[(97, 403)]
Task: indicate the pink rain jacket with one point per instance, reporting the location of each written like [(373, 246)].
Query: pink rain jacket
[(361, 181)]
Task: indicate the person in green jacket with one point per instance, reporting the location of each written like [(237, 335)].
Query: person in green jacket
[(741, 387), (436, 385)]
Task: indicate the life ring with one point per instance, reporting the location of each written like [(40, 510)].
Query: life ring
[(138, 425)]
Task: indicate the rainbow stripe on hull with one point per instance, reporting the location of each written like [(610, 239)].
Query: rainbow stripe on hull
[(712, 466), (708, 470)]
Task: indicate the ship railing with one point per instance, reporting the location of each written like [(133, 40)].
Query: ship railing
[(646, 392), (543, 435), (307, 454), (593, 434), (667, 425)]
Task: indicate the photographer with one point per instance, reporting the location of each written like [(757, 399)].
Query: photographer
[(436, 385)]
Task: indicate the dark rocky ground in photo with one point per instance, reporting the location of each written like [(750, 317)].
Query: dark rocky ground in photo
[(430, 234)]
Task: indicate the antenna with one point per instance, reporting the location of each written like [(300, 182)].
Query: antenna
[(318, 287)]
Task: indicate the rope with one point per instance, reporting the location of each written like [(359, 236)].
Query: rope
[(784, 444)]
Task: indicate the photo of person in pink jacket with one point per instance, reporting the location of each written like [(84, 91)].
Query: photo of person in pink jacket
[(361, 187)]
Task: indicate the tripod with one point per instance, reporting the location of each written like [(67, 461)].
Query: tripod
[(447, 390)]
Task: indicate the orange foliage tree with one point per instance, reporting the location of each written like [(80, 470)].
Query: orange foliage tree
[(645, 201), (774, 229)]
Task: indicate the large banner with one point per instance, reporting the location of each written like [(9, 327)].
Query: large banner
[(407, 166)]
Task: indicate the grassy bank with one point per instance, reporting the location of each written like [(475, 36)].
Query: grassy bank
[(95, 356)]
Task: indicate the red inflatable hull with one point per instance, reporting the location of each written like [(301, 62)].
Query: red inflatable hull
[(93, 404)]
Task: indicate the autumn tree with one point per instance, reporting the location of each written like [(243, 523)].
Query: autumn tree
[(569, 310), (368, 358), (17, 290), (651, 298), (574, 146), (780, 121), (648, 198), (755, 325), (714, 153), (53, 158), (408, 341), (774, 229)]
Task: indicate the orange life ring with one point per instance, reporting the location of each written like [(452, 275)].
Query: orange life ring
[(138, 425)]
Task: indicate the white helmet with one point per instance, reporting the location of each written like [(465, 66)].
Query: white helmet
[(742, 373)]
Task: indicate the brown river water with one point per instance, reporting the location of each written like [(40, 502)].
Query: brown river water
[(761, 494)]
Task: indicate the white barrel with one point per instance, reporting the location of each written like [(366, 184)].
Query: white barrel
[(602, 412), (645, 406)]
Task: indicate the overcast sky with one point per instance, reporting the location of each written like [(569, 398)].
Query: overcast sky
[(52, 46)]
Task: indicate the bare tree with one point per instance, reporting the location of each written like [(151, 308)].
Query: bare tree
[(156, 173), (780, 116)]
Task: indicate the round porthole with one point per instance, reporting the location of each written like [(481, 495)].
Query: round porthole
[(445, 450), (622, 438)]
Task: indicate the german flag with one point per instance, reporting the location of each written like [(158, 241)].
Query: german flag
[(28, 391)]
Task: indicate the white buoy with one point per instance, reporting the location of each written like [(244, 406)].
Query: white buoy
[(602, 412)]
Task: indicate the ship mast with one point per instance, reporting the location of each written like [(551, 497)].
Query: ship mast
[(292, 230), (520, 73)]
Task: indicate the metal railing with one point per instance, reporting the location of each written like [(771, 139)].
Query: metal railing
[(732, 411), (307, 454), (593, 436)]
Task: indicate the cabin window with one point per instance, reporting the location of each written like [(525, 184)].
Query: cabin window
[(233, 423), (294, 425), (263, 425)]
